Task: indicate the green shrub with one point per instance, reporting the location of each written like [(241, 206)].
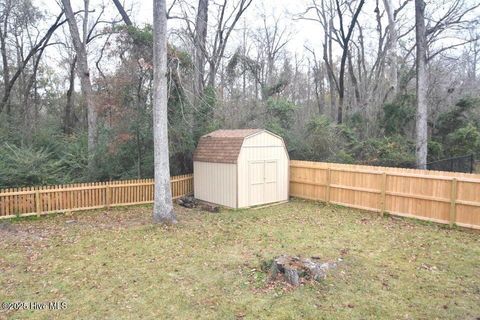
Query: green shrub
[(450, 121), (394, 151), (398, 115), (435, 150), (464, 141), (26, 166)]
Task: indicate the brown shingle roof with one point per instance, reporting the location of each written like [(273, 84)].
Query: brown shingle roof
[(222, 146)]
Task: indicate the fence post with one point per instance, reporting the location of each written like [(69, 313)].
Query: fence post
[(107, 196), (472, 163), (329, 178), (384, 189), (37, 202), (453, 202)]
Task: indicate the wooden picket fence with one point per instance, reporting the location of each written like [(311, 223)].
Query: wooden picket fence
[(83, 196), (444, 197)]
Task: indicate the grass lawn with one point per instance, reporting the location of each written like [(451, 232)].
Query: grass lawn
[(116, 264)]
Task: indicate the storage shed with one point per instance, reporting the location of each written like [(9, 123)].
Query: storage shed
[(241, 168)]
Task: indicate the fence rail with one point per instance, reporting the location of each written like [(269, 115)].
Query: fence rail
[(84, 196), (444, 197)]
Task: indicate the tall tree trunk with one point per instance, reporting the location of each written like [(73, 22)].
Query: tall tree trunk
[(6, 68), (199, 43), (31, 121), (212, 73), (163, 206), (244, 54), (328, 59), (422, 86), (138, 121), (392, 46), (473, 71), (319, 90), (353, 78), (85, 82), (199, 40), (68, 121), (341, 87)]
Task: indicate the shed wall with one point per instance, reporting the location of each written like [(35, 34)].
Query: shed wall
[(216, 183), (262, 146)]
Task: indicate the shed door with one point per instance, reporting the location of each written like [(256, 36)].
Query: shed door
[(262, 182)]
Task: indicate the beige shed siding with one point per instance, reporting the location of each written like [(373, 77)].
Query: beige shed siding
[(262, 146), (216, 183)]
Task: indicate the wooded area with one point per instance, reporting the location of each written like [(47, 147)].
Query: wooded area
[(374, 86)]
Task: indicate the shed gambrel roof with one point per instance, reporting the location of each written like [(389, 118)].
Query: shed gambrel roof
[(222, 146)]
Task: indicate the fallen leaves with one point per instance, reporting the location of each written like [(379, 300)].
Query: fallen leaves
[(209, 265)]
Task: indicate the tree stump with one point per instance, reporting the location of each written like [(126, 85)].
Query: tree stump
[(296, 270)]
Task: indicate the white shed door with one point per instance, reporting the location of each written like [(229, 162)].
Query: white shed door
[(262, 182)]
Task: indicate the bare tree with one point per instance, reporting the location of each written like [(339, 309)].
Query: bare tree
[(325, 15), (422, 85), (270, 40), (450, 23), (163, 207), (328, 55), (345, 36), (199, 40), (84, 74), (37, 49), (226, 22)]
